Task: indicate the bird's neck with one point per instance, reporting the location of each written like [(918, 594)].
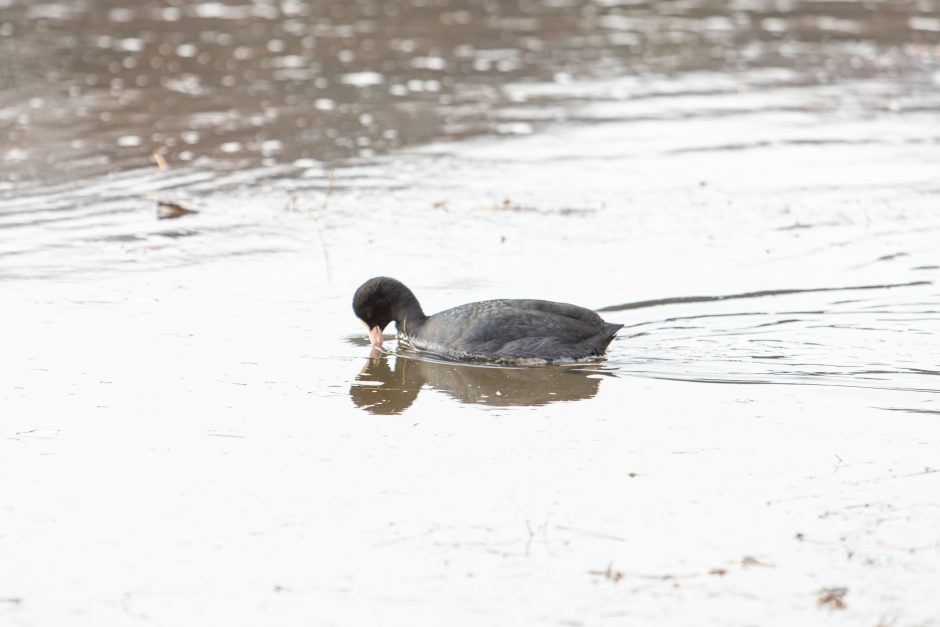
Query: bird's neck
[(408, 316)]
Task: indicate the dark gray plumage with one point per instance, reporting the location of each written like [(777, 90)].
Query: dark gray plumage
[(501, 331)]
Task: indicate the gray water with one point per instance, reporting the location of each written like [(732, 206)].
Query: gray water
[(195, 424)]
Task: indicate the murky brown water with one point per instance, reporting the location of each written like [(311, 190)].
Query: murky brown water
[(749, 187), (90, 87)]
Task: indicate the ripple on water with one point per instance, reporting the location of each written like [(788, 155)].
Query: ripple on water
[(803, 337)]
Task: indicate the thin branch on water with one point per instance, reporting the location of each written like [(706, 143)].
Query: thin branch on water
[(593, 534), (326, 253), (329, 190)]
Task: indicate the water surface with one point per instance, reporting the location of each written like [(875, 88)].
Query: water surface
[(194, 425)]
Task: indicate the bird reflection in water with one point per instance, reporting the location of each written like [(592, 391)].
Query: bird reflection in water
[(390, 386)]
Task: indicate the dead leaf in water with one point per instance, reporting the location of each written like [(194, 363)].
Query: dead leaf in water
[(833, 598), (170, 210)]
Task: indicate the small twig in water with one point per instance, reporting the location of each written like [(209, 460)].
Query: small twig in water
[(593, 534), (901, 547), (326, 254), (887, 620), (329, 190), (840, 463), (609, 573), (533, 533), (160, 160)]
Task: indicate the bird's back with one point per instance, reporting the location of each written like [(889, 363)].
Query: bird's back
[(516, 331)]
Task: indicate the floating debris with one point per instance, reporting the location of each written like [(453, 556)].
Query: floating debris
[(833, 598), (171, 210), (610, 573), (160, 160), (753, 561), (507, 205)]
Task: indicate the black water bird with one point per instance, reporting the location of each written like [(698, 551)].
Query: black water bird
[(509, 331)]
